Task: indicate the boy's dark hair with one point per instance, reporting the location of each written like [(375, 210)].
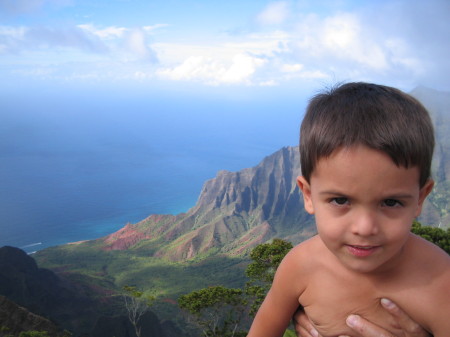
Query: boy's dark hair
[(379, 117)]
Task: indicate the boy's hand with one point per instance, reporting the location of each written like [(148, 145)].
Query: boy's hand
[(368, 329), (304, 328)]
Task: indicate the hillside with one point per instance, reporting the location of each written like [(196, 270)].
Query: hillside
[(14, 319), (43, 292), (235, 212)]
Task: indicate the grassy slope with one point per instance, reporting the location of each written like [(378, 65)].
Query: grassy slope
[(111, 270)]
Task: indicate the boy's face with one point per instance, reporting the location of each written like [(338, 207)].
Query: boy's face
[(364, 206)]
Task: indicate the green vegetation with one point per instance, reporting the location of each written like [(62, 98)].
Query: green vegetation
[(265, 260), (33, 334), (115, 269), (105, 273), (136, 304), (29, 333), (435, 235), (218, 311)]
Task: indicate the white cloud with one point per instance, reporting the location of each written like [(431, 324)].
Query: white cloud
[(291, 68), (213, 72), (275, 13), (380, 42), (314, 74), (136, 43), (20, 39), (107, 33), (269, 83), (151, 29), (128, 44), (337, 38)]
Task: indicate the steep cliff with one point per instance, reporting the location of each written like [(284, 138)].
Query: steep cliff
[(235, 212)]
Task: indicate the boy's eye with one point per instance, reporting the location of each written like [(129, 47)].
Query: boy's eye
[(391, 203), (340, 201)]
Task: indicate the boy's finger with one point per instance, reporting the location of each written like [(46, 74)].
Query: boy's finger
[(303, 326), (411, 328), (366, 328), (302, 332)]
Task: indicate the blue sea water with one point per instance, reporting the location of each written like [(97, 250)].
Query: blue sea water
[(80, 165)]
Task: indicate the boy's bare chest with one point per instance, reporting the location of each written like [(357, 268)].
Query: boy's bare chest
[(329, 300)]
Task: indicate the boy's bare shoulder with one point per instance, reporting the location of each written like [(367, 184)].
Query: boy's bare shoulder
[(428, 254), (307, 247), (426, 261), (427, 288), (299, 264), (307, 254)]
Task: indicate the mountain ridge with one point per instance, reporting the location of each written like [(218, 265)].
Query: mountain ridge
[(234, 212)]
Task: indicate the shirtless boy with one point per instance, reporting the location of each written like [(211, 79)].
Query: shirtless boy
[(366, 154)]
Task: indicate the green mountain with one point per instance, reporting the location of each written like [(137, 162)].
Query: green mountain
[(235, 212)]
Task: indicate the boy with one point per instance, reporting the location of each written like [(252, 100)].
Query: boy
[(366, 154)]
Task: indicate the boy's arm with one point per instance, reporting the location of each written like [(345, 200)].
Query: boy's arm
[(440, 309), (281, 302), (432, 306)]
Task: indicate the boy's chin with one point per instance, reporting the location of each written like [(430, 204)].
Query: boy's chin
[(364, 264)]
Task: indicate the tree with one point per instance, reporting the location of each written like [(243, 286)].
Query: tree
[(266, 259), (218, 311), (435, 235), (33, 333), (221, 311), (136, 304)]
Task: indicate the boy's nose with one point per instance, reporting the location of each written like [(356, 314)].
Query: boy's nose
[(365, 223)]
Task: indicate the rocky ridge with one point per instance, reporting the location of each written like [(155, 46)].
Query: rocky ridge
[(235, 211)]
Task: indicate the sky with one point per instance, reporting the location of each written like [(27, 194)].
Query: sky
[(125, 107), (230, 45)]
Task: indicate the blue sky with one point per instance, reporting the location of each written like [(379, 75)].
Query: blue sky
[(227, 44)]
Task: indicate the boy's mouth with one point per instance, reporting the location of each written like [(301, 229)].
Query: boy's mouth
[(362, 251)]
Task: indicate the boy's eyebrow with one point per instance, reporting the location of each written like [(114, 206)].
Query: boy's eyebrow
[(400, 196), (387, 196), (331, 192)]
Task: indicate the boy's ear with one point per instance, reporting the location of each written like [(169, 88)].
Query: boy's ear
[(424, 191), (306, 191)]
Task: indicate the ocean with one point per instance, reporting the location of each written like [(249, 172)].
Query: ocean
[(80, 165)]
